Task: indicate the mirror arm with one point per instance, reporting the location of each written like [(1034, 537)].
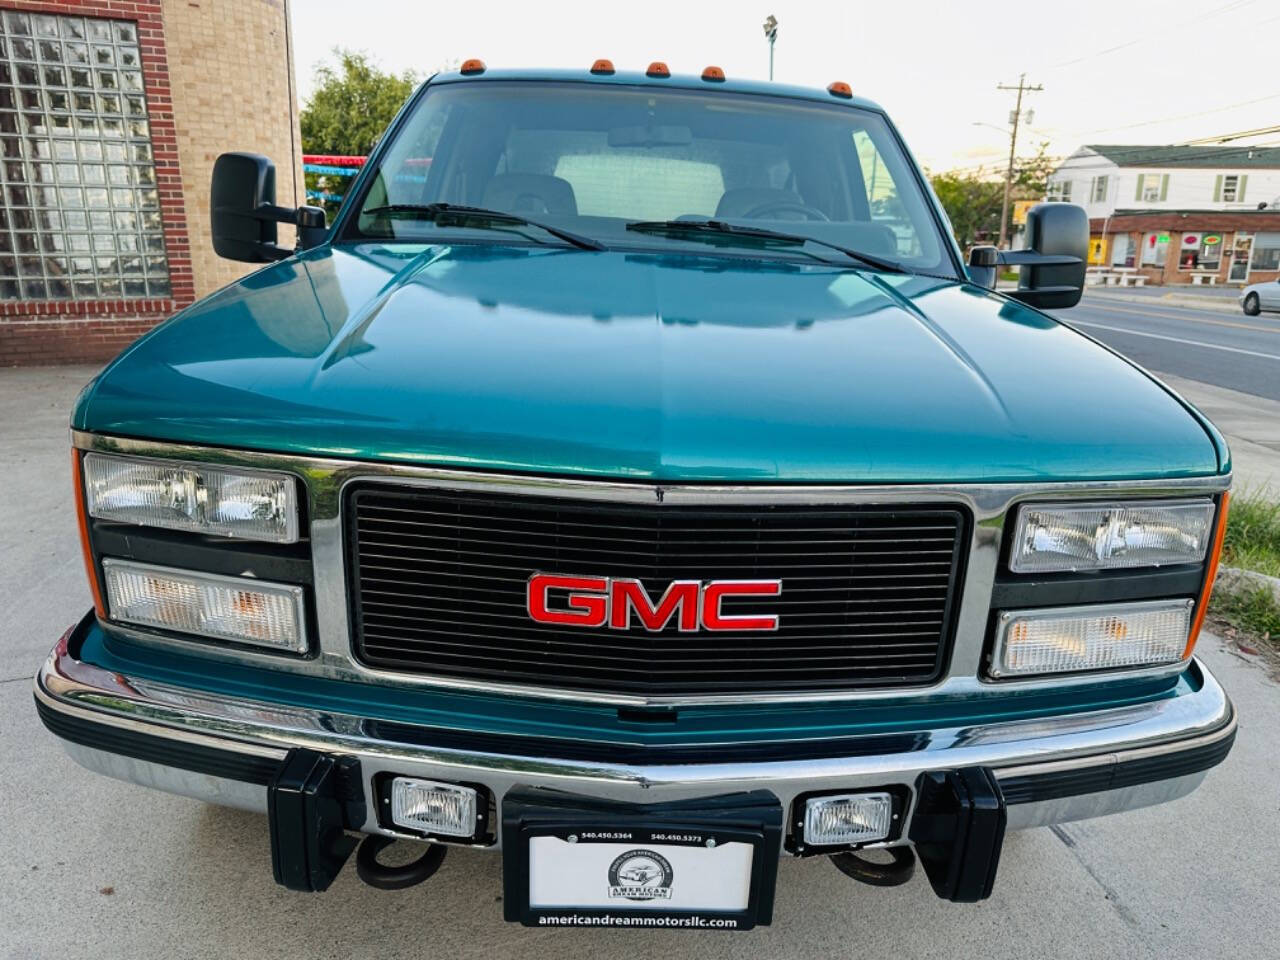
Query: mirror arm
[(1030, 258)]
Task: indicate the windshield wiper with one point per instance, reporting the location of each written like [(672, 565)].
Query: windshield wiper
[(437, 212), (761, 233)]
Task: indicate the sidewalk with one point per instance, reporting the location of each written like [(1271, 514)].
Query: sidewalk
[(1225, 299), (1252, 428)]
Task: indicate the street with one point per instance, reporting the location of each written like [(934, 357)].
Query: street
[(101, 868), (1209, 344)]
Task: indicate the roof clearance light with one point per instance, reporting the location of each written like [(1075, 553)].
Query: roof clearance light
[(602, 66), (840, 89), (657, 69), (471, 66), (713, 74)]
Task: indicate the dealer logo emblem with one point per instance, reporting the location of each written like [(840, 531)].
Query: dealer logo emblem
[(640, 875)]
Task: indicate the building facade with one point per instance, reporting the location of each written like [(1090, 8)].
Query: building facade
[(1178, 214), (111, 115)]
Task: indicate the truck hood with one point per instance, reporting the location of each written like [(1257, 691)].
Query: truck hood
[(638, 365)]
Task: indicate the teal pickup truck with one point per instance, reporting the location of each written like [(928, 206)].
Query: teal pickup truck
[(635, 481)]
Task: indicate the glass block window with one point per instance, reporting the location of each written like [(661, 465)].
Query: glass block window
[(80, 218)]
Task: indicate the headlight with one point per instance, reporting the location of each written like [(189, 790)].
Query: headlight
[(239, 609), (1094, 637), (1108, 536), (249, 504)]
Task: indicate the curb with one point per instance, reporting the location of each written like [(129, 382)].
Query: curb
[(1223, 304), (1236, 580)]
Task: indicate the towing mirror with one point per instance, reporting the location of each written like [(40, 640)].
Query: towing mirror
[(1053, 265), (243, 211)]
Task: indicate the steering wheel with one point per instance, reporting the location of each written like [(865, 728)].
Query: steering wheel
[(781, 206)]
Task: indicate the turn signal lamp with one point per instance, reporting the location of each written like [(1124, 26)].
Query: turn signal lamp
[(86, 550), (1210, 574), (237, 609), (1091, 637), (657, 69), (713, 74), (471, 66), (840, 89), (428, 806), (603, 67), (847, 819)]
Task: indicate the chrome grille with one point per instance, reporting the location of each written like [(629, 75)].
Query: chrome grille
[(439, 583)]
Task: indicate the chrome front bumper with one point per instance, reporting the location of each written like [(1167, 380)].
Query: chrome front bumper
[(225, 750)]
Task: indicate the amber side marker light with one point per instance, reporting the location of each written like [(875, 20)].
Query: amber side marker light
[(602, 67), (840, 89), (1211, 572), (82, 518), (713, 74), (657, 69), (471, 66)]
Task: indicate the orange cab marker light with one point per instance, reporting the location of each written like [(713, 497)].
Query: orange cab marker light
[(1212, 572), (82, 518), (657, 69), (471, 66), (714, 74), (840, 89), (602, 66)]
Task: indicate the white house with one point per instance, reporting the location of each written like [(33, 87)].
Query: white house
[(1103, 178)]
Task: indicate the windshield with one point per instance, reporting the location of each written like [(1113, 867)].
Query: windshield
[(593, 158)]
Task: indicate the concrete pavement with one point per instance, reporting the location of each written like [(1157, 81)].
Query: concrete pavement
[(96, 868)]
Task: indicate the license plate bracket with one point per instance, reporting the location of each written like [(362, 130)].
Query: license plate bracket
[(625, 862)]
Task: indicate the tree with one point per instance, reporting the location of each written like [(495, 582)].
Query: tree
[(352, 105), (347, 113), (973, 199), (972, 202)]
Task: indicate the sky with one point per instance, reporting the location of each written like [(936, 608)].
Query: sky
[(1113, 72)]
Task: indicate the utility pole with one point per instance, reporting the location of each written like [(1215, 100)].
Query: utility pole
[(1022, 87), (771, 34)]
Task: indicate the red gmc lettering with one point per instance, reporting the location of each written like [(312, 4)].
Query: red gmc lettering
[(717, 590), (595, 601), (586, 609), (628, 595)]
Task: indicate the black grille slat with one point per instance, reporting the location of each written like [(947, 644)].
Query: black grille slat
[(439, 580)]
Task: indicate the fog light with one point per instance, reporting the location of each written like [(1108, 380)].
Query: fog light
[(238, 609), (848, 818), (428, 806), (1094, 637)]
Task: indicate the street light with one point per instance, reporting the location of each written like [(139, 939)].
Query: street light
[(771, 34)]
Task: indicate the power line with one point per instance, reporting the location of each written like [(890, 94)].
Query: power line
[(1225, 8)]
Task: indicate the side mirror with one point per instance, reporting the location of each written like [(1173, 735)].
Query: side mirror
[(1058, 236), (243, 211)]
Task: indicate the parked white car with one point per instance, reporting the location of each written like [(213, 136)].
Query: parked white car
[(1260, 296)]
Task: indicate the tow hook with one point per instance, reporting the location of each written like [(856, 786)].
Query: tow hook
[(377, 874), (896, 872)]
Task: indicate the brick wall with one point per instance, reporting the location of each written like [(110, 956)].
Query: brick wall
[(231, 71), (218, 76)]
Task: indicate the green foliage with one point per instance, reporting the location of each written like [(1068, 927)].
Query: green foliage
[(1252, 539), (352, 105), (1253, 611), (973, 199), (972, 202), (347, 114)]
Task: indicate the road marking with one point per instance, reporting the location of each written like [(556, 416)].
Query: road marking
[(1171, 316), (1161, 336)]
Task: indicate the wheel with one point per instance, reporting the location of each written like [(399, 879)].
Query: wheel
[(1252, 307)]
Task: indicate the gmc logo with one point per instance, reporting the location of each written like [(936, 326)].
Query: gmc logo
[(606, 601)]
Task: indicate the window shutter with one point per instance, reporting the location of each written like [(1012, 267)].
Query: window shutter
[(1164, 186), (1138, 195), (1244, 179), (1217, 189), (1093, 189)]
